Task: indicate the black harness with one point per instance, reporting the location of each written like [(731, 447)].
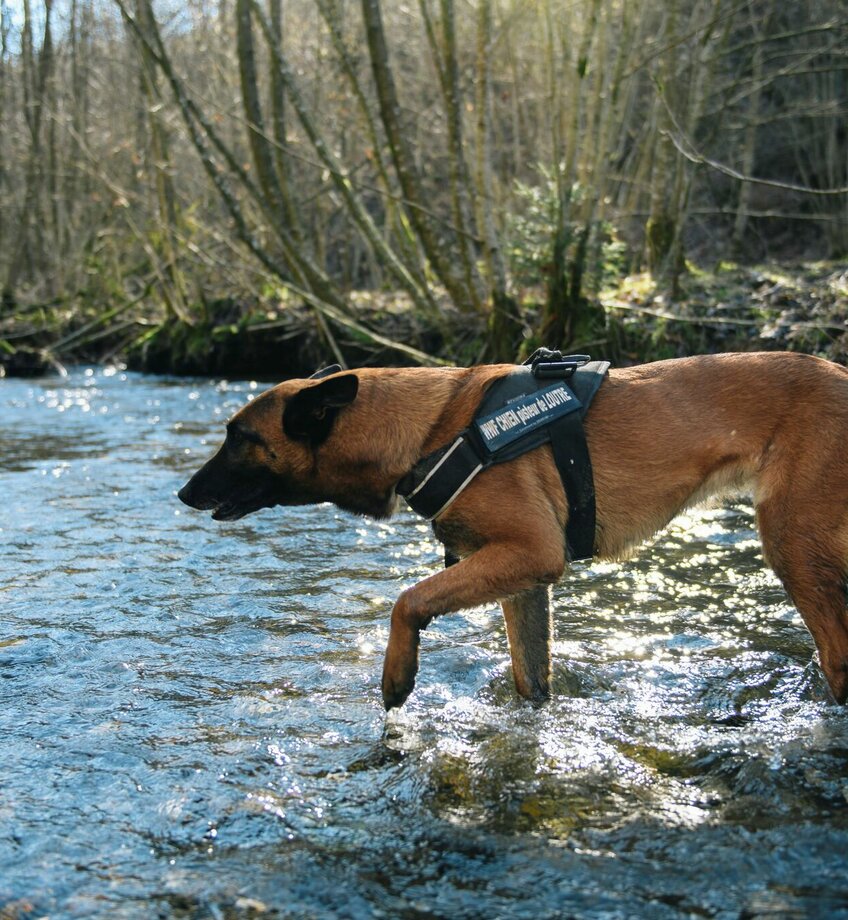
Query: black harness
[(527, 408)]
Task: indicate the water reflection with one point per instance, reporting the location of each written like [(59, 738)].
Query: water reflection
[(190, 716)]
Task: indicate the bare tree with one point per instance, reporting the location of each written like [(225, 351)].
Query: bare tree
[(28, 246), (471, 158)]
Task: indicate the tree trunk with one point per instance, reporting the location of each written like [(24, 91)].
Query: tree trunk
[(458, 171), (31, 217), (504, 322), (396, 222), (749, 148), (278, 126), (355, 207), (661, 229), (437, 251), (173, 286), (5, 26), (569, 315)]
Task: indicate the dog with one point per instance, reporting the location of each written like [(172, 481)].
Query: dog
[(662, 437)]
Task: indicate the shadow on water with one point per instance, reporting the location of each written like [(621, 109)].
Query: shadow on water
[(190, 720)]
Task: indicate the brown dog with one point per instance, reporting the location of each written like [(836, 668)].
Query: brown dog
[(662, 437)]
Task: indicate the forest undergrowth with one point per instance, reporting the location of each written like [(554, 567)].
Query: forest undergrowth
[(795, 306)]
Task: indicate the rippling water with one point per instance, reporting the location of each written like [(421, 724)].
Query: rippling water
[(190, 717)]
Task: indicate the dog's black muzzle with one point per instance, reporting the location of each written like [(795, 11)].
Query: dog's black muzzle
[(230, 493)]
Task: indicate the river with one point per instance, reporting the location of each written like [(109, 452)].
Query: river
[(191, 723)]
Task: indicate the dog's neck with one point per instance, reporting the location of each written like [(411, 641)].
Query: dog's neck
[(398, 419)]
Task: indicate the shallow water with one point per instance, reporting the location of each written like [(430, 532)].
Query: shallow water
[(191, 726)]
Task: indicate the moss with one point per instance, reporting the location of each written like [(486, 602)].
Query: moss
[(659, 236), (659, 760), (733, 308)]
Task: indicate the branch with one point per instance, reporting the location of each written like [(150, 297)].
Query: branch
[(686, 148), (716, 320), (694, 156), (342, 319)]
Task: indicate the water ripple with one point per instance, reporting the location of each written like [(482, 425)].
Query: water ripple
[(190, 717)]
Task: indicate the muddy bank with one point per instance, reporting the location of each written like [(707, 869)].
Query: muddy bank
[(241, 341)]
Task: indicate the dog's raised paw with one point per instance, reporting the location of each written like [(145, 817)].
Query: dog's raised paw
[(396, 694)]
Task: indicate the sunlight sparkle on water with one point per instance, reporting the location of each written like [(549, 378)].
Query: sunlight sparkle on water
[(168, 677)]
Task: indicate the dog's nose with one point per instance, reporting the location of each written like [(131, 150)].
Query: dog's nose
[(184, 495), (195, 493)]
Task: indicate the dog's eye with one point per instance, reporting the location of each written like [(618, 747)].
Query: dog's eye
[(238, 436)]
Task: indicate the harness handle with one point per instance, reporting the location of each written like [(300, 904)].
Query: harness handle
[(545, 363)]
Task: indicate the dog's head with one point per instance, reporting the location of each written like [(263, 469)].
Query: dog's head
[(284, 448)]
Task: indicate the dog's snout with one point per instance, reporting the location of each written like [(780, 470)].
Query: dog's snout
[(189, 495), (195, 496)]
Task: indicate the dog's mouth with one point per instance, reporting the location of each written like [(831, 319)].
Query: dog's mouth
[(236, 499), (232, 509), (228, 512)]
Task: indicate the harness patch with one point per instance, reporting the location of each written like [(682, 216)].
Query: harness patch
[(524, 414)]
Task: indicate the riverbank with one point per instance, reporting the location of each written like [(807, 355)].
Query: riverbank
[(800, 307), (793, 307)]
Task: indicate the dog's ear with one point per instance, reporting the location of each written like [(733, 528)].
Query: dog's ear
[(310, 413)]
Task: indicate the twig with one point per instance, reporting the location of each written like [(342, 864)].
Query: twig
[(699, 158), (331, 339), (329, 312), (112, 330), (111, 314), (718, 321), (682, 142)]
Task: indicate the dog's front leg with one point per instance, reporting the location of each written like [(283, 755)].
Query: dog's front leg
[(529, 628), (501, 570)]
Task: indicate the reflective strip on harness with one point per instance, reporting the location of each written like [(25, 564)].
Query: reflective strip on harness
[(437, 491)]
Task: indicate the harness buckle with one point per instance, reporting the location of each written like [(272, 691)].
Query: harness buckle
[(545, 363)]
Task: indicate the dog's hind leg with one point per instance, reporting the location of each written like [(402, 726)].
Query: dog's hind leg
[(808, 559), (529, 628), (819, 594)]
